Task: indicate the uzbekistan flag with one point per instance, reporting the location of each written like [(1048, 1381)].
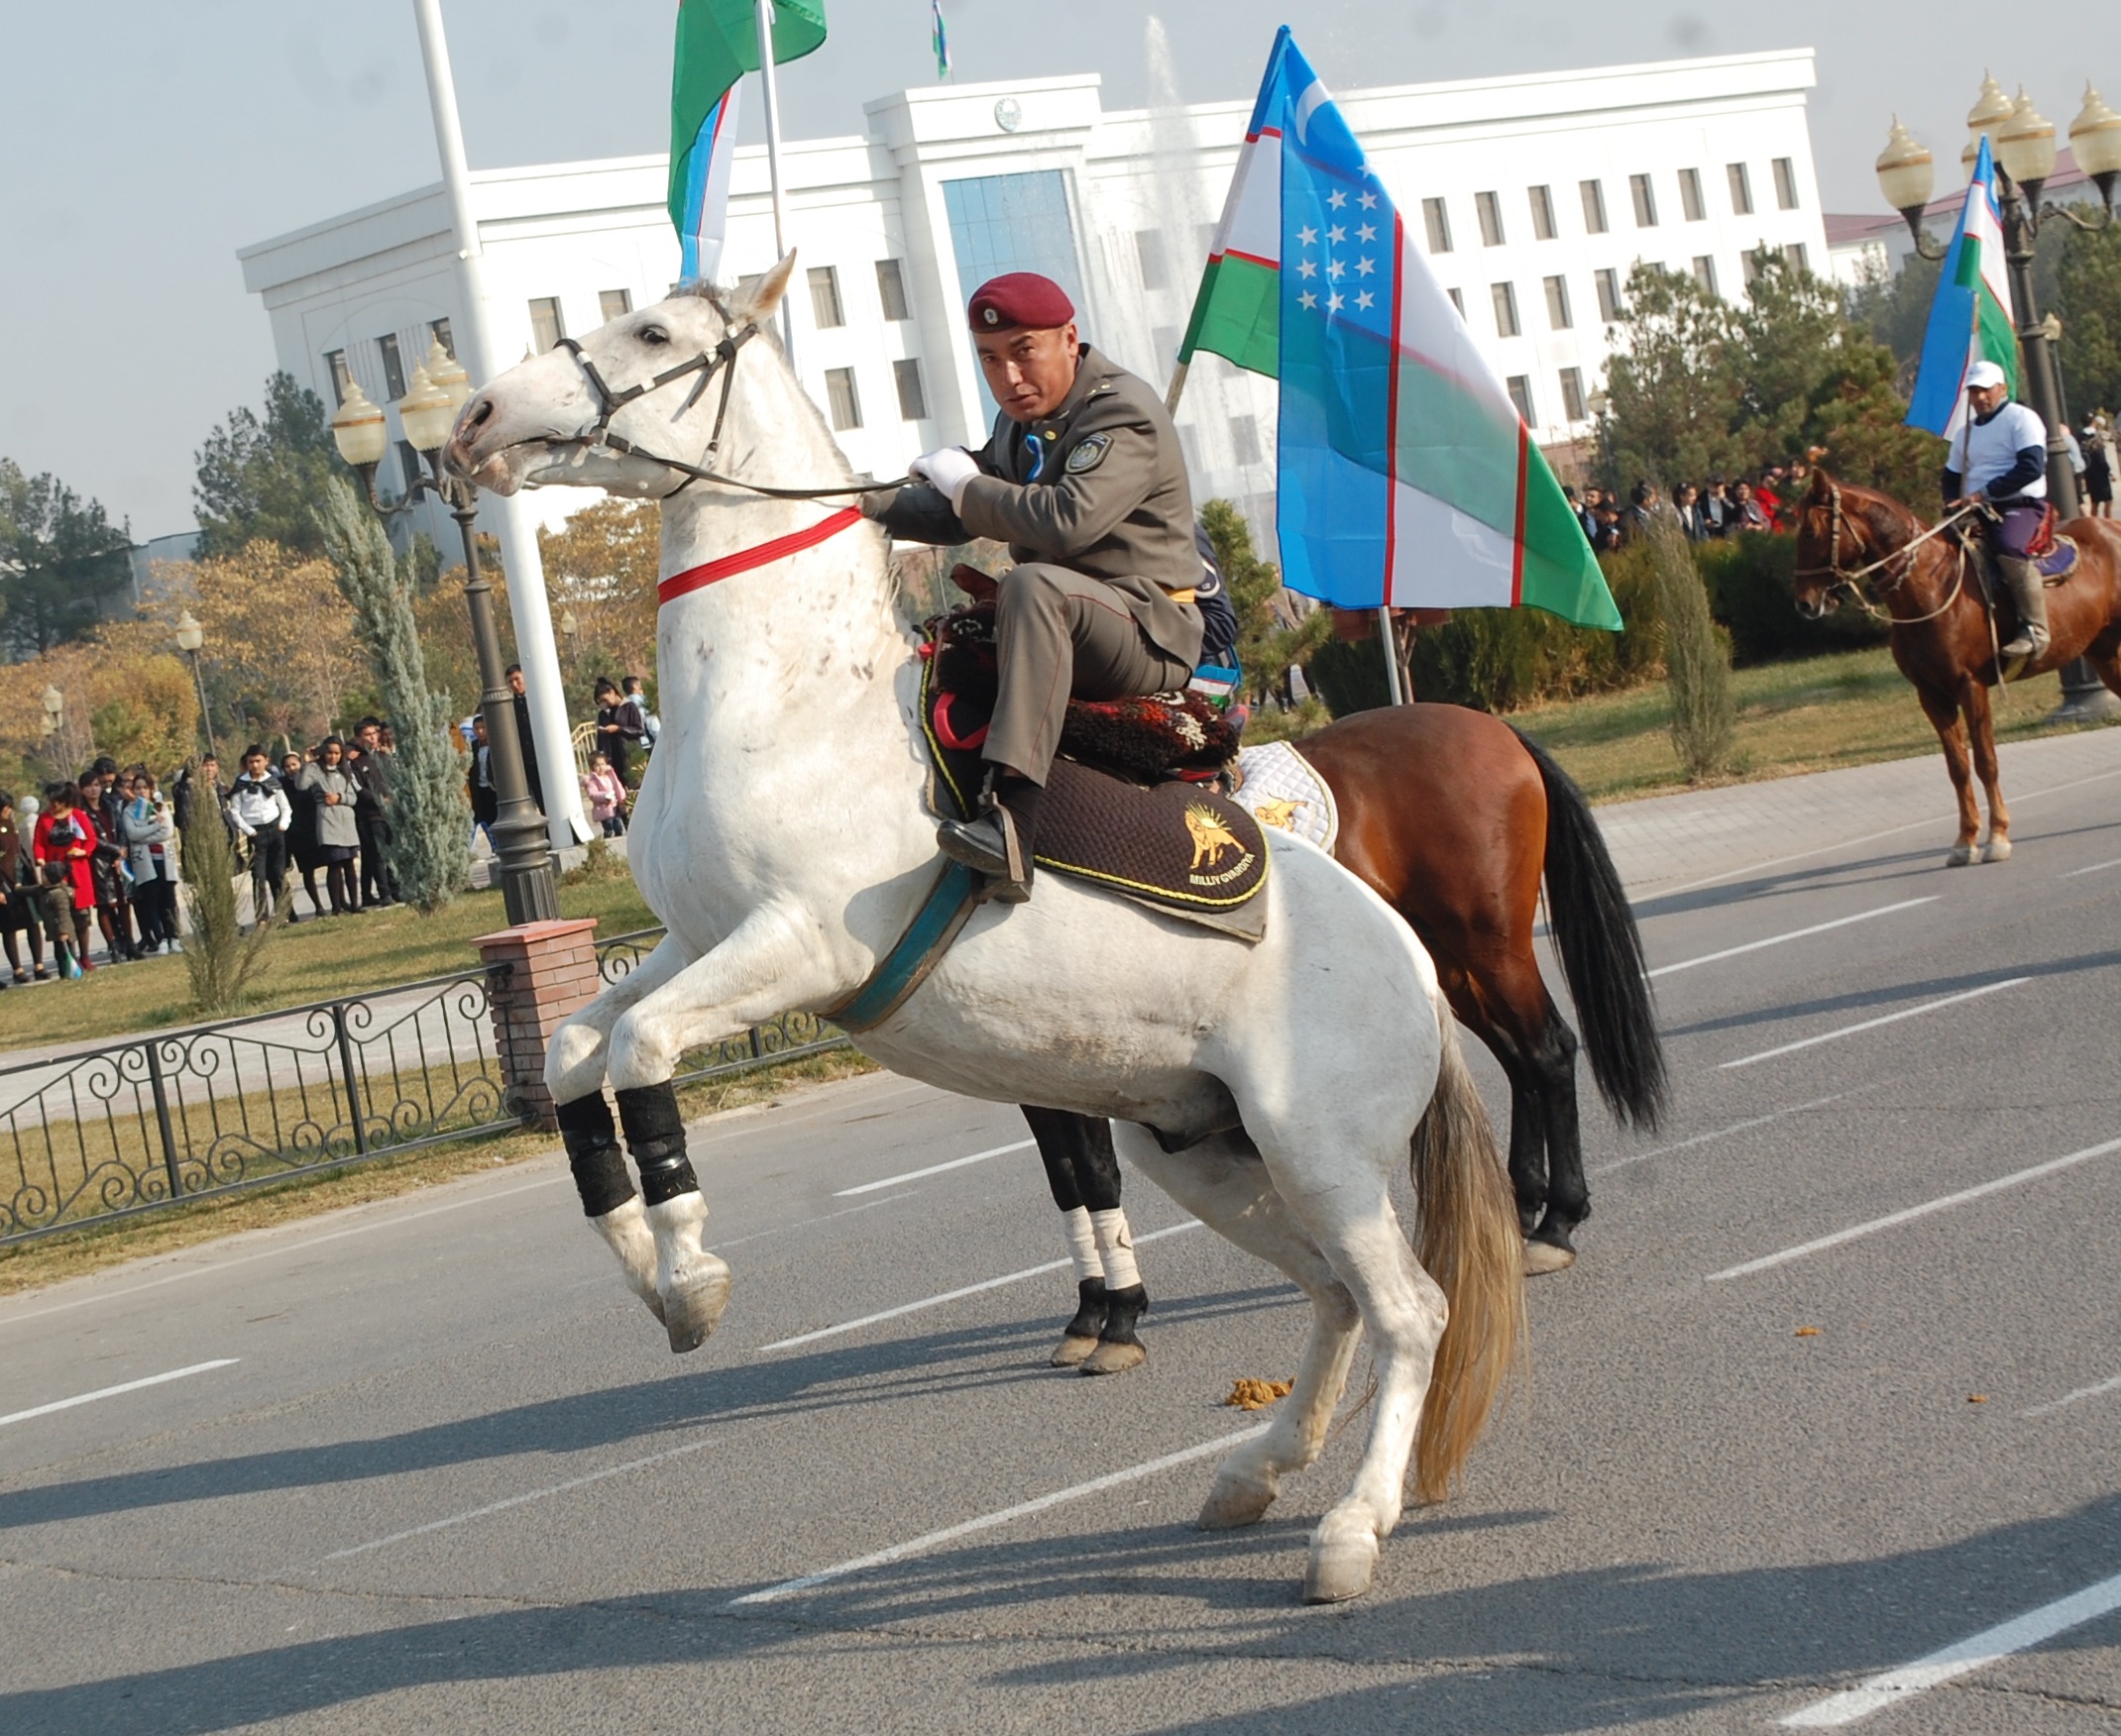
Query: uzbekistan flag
[(717, 44), (1407, 475), (1971, 318)]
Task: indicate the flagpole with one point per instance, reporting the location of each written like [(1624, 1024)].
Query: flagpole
[(1392, 684), (773, 162)]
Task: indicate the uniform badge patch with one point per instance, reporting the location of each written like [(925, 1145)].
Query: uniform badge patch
[(1089, 454)]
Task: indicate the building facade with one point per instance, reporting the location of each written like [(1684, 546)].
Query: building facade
[(1533, 196)]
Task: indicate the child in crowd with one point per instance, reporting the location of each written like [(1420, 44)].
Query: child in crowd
[(606, 795)]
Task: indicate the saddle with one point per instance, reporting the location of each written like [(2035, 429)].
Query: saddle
[(2054, 556), (1128, 803)]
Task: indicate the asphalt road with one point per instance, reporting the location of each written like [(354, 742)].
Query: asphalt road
[(445, 1474)]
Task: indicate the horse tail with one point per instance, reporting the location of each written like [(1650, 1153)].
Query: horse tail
[(1467, 1238), (1601, 951)]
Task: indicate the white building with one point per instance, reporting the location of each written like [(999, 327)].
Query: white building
[(1534, 195)]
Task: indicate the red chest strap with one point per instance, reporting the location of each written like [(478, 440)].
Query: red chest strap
[(764, 554)]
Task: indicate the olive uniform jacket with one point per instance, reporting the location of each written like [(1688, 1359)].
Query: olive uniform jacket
[(1100, 488)]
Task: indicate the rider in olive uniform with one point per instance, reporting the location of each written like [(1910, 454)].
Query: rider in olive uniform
[(1084, 478)]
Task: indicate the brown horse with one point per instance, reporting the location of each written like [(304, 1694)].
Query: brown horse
[(1927, 584), (1453, 819)]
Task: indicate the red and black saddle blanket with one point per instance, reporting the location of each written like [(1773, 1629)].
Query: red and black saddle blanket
[(1127, 803)]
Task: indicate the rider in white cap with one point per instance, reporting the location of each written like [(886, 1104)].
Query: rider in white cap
[(2000, 455)]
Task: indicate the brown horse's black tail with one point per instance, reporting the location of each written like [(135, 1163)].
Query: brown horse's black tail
[(1601, 951)]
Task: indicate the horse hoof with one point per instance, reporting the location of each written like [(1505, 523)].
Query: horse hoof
[(1998, 850), (1234, 1502), (1114, 1357), (1073, 1352), (625, 1231), (1543, 1256), (692, 1306), (1962, 856), (1340, 1568)]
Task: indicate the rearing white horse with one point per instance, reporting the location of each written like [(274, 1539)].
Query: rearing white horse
[(781, 834)]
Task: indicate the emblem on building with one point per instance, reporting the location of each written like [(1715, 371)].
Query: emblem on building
[(1008, 115)]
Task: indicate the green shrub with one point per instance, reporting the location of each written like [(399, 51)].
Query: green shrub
[(1697, 657), (1751, 583)]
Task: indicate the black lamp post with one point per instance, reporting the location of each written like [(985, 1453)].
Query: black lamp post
[(529, 884), (191, 637), (2022, 141)]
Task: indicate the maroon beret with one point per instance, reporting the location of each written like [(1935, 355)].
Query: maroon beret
[(1020, 298)]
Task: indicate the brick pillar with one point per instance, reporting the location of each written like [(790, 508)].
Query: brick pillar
[(551, 971)]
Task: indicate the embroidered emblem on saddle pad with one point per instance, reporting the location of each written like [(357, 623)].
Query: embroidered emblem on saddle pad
[(2057, 562), (1281, 787)]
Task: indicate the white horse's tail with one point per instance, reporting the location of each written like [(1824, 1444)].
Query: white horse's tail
[(1468, 1241)]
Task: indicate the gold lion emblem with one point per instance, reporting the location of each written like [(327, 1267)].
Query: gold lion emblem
[(1210, 836), (1278, 814)]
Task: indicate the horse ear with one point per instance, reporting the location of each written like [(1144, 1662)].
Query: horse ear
[(754, 303), (1822, 483)]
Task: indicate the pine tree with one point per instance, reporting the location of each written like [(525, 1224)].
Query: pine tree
[(430, 816)]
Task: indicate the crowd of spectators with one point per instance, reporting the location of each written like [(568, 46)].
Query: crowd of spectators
[(1721, 506)]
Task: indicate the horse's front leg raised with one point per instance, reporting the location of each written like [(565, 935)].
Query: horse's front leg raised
[(769, 964), (1942, 710)]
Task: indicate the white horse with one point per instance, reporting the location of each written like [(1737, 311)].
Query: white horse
[(781, 834)]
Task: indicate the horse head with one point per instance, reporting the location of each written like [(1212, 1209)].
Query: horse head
[(632, 403), (1843, 529)]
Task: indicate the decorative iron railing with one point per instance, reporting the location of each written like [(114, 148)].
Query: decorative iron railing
[(786, 1038), (138, 1126)]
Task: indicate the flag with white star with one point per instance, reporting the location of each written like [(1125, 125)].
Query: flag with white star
[(1407, 476)]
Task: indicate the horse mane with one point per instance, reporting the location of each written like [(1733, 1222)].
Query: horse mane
[(1888, 525)]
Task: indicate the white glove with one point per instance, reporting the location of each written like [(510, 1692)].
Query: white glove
[(948, 470)]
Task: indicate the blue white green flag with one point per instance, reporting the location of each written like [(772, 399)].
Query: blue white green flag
[(1971, 317)]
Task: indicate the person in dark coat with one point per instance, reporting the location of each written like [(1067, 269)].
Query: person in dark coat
[(371, 814), (524, 738), (618, 728), (479, 782), (303, 843)]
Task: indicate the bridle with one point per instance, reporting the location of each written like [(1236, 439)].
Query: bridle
[(1850, 579), (722, 360)]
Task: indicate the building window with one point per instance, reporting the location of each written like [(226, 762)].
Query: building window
[(1148, 255), (1593, 207), (1690, 200), (438, 329), (1490, 214), (1785, 184), (1704, 272), (1638, 188), (1520, 395), (1740, 190), (341, 376), (913, 399), (1438, 222), (1543, 202), (545, 327), (891, 289), (1458, 301), (1572, 393), (1505, 310), (614, 304), (409, 466), (1245, 439), (1608, 295), (1557, 304), (825, 308), (394, 364), (1752, 260), (841, 399), (1799, 260)]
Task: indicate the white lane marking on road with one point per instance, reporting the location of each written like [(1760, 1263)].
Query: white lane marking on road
[(933, 1169), (59, 1404), (1790, 1049), (899, 1552), (1758, 1121), (1897, 1686), (2093, 869), (1793, 934), (2098, 1390), (1052, 1266), (2017, 1178), (1654, 891), (222, 1265)]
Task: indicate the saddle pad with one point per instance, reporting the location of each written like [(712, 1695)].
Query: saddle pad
[(1278, 787), (2059, 562)]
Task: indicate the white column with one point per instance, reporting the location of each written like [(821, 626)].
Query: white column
[(764, 21), (508, 517)]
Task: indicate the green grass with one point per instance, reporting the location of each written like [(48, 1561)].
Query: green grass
[(1849, 709), (311, 961)]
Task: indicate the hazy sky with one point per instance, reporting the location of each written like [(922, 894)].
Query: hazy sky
[(145, 142)]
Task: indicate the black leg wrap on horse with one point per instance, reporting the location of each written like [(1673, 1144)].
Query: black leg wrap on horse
[(655, 1134), (1122, 1309), (594, 1155), (1089, 1321)]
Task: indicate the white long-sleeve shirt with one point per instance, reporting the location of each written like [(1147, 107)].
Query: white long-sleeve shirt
[(258, 805)]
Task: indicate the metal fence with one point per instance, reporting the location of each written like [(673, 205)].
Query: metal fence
[(786, 1038), (113, 1131)]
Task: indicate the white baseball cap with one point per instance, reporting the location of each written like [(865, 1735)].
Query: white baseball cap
[(1984, 373)]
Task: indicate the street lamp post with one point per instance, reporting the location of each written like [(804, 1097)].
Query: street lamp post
[(2022, 141), (55, 719), (191, 635), (529, 884)]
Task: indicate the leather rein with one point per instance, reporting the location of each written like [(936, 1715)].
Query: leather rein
[(1850, 579)]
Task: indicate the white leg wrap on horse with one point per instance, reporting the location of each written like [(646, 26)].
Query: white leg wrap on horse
[(693, 1283), (1082, 1244), (1115, 1249), (625, 1233)]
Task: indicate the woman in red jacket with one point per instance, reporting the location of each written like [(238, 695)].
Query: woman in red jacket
[(65, 842)]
